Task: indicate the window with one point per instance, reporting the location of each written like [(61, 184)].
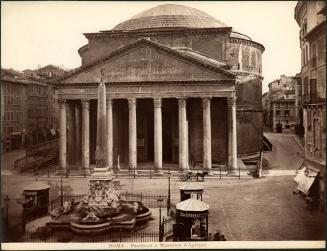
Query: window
[(313, 90), (313, 62), (277, 112), (287, 113), (305, 89)]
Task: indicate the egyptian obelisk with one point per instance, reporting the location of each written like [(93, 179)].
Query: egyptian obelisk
[(101, 178)]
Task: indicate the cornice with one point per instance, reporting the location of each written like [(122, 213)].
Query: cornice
[(149, 83), (247, 42), (157, 32)]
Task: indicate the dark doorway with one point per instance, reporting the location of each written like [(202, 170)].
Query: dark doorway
[(145, 130), (120, 131), (169, 130), (279, 128)]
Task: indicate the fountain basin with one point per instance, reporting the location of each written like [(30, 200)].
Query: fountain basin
[(127, 219)]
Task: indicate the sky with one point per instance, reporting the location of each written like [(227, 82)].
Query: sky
[(41, 33)]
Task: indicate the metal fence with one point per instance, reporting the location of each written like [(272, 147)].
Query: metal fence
[(118, 236)]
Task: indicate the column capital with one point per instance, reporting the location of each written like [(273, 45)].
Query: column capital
[(62, 103), (131, 103), (231, 101), (206, 102), (85, 103), (157, 102), (109, 103), (182, 102)]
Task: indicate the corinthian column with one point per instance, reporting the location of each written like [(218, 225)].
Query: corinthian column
[(182, 134), (86, 134), (109, 133), (206, 134), (63, 137), (157, 136), (132, 135), (232, 144)]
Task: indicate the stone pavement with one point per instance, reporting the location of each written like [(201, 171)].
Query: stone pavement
[(286, 154), (241, 209)]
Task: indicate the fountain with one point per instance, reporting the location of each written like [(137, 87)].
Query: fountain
[(101, 210)]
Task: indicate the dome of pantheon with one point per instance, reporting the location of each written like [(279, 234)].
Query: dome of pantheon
[(173, 16)]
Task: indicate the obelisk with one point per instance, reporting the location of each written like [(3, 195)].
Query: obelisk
[(101, 143), (101, 184)]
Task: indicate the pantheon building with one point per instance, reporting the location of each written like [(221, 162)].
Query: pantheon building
[(182, 89)]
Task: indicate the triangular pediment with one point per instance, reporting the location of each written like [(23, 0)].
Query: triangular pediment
[(146, 61)]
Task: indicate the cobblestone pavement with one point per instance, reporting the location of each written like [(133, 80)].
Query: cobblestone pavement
[(287, 152), (246, 209)]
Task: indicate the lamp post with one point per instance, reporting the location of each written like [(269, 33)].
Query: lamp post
[(160, 200), (61, 192), (7, 199), (168, 200)]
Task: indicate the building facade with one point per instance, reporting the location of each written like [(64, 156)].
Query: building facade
[(280, 104), (311, 17), (29, 110), (181, 86), (13, 115)]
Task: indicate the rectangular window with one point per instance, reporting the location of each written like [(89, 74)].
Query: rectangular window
[(313, 90), (305, 89), (277, 112), (287, 112), (309, 119), (313, 61)]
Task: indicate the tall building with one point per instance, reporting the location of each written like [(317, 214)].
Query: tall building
[(29, 110), (311, 17), (13, 114), (279, 104), (180, 85)]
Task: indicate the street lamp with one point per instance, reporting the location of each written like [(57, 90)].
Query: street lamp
[(61, 192), (160, 200), (7, 199), (168, 200)]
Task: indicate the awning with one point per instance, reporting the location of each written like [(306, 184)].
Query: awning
[(305, 179)]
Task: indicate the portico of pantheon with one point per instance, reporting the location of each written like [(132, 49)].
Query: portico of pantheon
[(181, 87)]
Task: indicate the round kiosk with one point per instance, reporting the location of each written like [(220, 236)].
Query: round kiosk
[(36, 197), (191, 220), (191, 190)]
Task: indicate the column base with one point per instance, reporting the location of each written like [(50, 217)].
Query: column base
[(132, 172), (209, 171), (62, 172), (183, 171), (233, 173), (158, 173), (87, 171)]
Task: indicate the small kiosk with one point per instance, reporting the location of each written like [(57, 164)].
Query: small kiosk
[(191, 190), (191, 221), (36, 199)]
